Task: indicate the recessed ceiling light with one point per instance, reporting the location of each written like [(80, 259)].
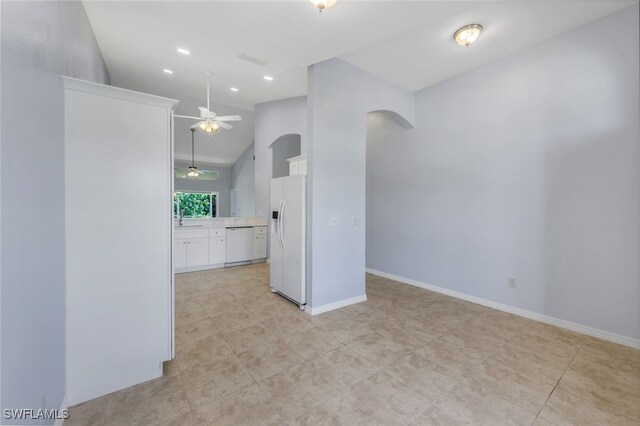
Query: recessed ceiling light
[(183, 51), (467, 34), (167, 71), (233, 89), (268, 78)]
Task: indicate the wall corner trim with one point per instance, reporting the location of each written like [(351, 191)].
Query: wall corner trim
[(63, 405), (579, 328), (335, 305)]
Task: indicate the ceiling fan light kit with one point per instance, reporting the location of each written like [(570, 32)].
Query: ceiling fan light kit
[(323, 4)]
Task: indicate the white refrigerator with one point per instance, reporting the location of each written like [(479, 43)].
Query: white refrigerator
[(288, 238)]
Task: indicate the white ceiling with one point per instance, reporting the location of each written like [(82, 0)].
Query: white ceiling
[(407, 42)]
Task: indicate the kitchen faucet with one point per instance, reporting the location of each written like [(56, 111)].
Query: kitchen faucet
[(181, 216)]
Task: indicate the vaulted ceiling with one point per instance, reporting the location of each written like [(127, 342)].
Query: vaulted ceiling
[(406, 42)]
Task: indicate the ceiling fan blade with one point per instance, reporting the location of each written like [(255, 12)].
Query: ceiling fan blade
[(181, 173), (208, 176), (197, 125), (187, 116), (229, 118), (224, 125)]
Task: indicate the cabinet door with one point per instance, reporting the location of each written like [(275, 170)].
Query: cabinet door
[(260, 247), (217, 250), (197, 251), (179, 253)]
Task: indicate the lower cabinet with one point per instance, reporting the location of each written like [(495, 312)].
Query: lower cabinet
[(260, 246), (217, 250), (190, 252), (197, 251)]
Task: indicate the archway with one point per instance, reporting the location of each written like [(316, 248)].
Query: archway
[(284, 147)]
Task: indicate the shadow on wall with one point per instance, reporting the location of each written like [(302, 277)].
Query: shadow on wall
[(286, 146)]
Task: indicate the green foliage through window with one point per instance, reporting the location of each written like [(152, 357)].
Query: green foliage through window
[(197, 205)]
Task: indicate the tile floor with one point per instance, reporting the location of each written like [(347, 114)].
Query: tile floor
[(406, 356)]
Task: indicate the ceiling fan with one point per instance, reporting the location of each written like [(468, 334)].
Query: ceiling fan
[(210, 122), (193, 172)]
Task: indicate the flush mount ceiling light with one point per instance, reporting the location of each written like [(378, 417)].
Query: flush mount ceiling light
[(183, 51), (323, 4), (268, 78), (467, 34), (167, 71)]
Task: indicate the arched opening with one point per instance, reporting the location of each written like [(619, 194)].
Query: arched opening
[(286, 146)]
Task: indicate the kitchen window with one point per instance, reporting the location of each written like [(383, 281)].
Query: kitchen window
[(195, 205)]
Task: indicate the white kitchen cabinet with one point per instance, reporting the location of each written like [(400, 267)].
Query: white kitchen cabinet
[(180, 253), (197, 251), (260, 242), (217, 250), (297, 165)]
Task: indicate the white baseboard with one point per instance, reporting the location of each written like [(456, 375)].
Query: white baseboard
[(63, 405), (335, 305), (579, 328)]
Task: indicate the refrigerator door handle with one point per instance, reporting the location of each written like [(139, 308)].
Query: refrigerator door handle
[(279, 222), (284, 207)]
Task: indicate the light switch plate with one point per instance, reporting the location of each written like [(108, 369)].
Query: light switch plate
[(335, 221)]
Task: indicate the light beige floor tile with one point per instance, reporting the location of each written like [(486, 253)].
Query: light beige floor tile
[(519, 389), (545, 366), (460, 359), (249, 338), (328, 317), (189, 312), (159, 401), (269, 359), (563, 408), (607, 390), (288, 325), (234, 321), (387, 399), (348, 330), (427, 378), (343, 367), (334, 412), (312, 343), (203, 352), (381, 350), (170, 368), (470, 404), (190, 334), (247, 406), (210, 382), (297, 390)]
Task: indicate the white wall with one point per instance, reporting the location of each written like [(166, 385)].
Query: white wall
[(528, 168), (339, 97), (272, 120), (40, 41), (243, 182)]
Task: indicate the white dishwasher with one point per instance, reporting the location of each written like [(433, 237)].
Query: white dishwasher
[(239, 244)]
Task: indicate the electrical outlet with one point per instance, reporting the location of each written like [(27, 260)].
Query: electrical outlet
[(355, 221), (335, 221), (513, 283)]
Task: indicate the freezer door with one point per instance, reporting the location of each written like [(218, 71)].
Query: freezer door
[(275, 243), (293, 233)]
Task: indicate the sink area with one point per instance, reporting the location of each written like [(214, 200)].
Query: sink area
[(187, 226)]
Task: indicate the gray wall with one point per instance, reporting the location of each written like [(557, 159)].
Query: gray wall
[(40, 41), (272, 120), (339, 97), (288, 146), (222, 185), (243, 177), (527, 168)]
